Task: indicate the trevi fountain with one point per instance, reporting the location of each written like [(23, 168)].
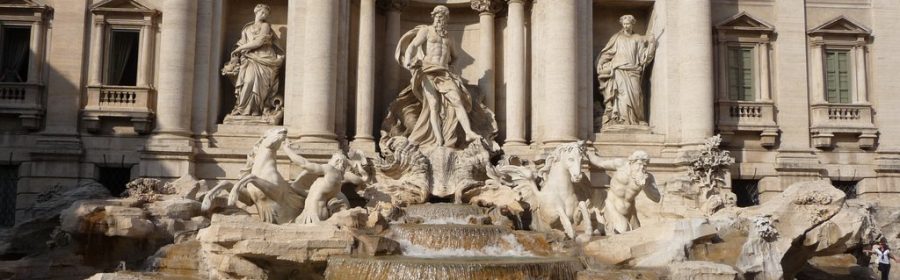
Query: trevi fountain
[(440, 198)]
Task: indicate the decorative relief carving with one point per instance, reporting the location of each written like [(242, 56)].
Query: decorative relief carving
[(487, 6), (397, 5)]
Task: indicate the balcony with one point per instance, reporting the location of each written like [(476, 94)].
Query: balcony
[(23, 100), (133, 103), (755, 116), (833, 118)]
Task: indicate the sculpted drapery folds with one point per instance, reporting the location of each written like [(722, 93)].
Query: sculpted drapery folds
[(436, 109), (254, 67), (620, 68)]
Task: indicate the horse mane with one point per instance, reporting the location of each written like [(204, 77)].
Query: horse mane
[(556, 155), (248, 166)]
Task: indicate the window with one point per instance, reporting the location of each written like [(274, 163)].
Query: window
[(9, 178), (747, 192), (740, 73), (743, 96), (120, 72), (837, 76), (114, 179), (838, 84), (848, 187), (22, 48), (838, 62), (122, 57), (16, 48)]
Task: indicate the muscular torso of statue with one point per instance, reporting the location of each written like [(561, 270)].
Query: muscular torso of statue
[(623, 189), (437, 49)]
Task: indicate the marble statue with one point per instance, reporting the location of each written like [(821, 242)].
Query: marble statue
[(620, 68), (253, 68), (630, 178), (261, 185), (556, 200), (327, 179), (402, 177), (436, 109)]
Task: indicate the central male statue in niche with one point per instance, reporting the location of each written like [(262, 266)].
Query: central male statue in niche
[(436, 109), (620, 68)]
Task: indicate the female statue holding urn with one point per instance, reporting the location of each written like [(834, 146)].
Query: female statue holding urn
[(254, 68)]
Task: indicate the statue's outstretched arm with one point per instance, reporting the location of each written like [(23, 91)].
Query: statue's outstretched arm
[(611, 164), (301, 161), (350, 177)]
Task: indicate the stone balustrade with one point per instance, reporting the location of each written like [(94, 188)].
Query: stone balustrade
[(134, 103), (755, 116), (829, 119), (24, 100)]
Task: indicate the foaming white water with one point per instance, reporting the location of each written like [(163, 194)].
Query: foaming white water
[(448, 220), (510, 248)]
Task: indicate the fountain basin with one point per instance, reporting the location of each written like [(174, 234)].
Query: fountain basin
[(403, 267)]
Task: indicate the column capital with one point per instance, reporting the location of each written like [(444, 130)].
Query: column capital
[(396, 5), (487, 6)]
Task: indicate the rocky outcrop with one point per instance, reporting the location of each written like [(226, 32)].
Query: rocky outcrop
[(647, 247), (700, 270), (31, 236), (243, 247), (808, 219)]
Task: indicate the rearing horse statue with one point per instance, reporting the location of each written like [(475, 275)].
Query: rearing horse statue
[(555, 200), (277, 201)]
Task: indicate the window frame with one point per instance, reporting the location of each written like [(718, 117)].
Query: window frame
[(850, 83), (105, 21), (14, 24), (107, 51), (744, 30), (840, 33), (754, 72)]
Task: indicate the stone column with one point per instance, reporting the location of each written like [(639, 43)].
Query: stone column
[(365, 77), (293, 66), (96, 68), (817, 76), (486, 84), (561, 73), (514, 70), (145, 65), (204, 70), (696, 69), (217, 45), (176, 67), (765, 92), (320, 70), (36, 47), (391, 69), (860, 64)]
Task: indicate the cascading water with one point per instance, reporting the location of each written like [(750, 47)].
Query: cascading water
[(443, 246)]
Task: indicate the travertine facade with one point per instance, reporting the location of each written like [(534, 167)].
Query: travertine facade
[(799, 90)]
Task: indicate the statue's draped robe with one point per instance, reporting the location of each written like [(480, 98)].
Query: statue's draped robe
[(409, 116), (257, 81), (622, 97)]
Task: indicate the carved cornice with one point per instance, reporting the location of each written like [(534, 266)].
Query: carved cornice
[(487, 6), (387, 5)]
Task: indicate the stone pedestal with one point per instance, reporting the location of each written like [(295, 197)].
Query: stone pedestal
[(251, 120)]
